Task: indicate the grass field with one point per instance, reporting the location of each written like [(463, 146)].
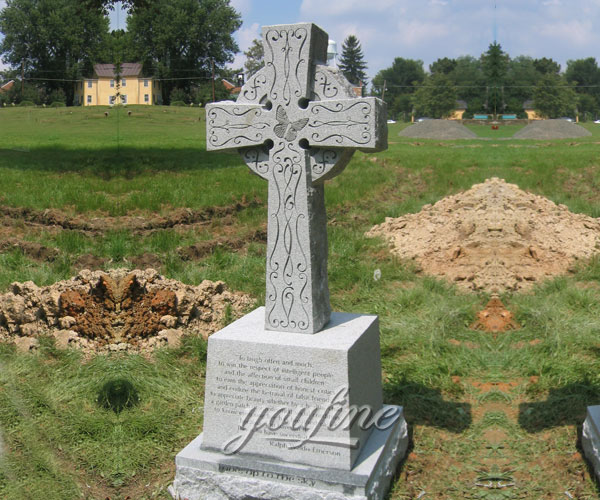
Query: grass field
[(481, 408)]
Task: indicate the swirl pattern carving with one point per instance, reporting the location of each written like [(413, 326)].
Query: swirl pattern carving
[(295, 144)]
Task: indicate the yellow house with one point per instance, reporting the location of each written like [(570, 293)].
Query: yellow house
[(531, 113), (459, 111), (104, 89)]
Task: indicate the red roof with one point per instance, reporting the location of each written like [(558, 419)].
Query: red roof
[(108, 70), (231, 87), (7, 86)]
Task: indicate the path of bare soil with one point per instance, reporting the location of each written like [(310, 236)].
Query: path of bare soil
[(16, 224), (120, 310), (493, 237), (135, 224)]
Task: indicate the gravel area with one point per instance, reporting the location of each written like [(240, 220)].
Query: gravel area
[(438, 129), (552, 129)]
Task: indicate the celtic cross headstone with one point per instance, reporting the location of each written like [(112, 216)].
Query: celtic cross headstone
[(291, 415), (297, 123)]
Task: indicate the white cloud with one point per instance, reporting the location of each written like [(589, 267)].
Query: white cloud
[(245, 36), (338, 7), (428, 29), (242, 6)]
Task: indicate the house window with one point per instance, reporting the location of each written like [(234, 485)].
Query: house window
[(89, 99), (89, 84), (145, 83), (146, 98), (124, 82), (124, 99), (111, 100), (112, 83)]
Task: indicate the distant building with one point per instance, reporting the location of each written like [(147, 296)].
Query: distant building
[(102, 88), (7, 87), (332, 54), (232, 88), (459, 111), (529, 111)]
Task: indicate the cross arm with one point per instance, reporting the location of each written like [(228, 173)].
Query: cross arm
[(230, 125), (347, 123)]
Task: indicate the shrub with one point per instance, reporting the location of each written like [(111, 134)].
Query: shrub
[(26, 103), (179, 95), (57, 104), (178, 103), (57, 95)]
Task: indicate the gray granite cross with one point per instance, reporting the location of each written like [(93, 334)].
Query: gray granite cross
[(297, 123)]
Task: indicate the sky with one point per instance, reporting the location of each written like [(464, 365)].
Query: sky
[(429, 29)]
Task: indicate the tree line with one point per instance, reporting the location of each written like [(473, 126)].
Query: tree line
[(55, 43), (494, 83)]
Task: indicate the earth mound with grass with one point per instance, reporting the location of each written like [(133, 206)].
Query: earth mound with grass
[(119, 310), (493, 237), (551, 129), (438, 129)]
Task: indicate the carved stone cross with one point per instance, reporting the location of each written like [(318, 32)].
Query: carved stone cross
[(297, 123)]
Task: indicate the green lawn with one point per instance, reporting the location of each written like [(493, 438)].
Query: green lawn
[(479, 407)]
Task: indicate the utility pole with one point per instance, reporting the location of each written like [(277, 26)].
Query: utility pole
[(213, 79)]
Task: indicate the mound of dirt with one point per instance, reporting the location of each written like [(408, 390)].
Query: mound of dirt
[(438, 129), (120, 310), (495, 318), (493, 237), (551, 129)]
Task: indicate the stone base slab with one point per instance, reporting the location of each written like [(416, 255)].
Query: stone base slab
[(250, 367), (590, 438), (210, 475)]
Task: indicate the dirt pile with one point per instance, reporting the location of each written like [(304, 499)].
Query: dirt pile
[(120, 310), (551, 129), (493, 237), (438, 129), (495, 318)]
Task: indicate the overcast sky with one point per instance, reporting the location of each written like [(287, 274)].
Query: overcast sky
[(428, 29)]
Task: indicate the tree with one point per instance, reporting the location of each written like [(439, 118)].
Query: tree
[(401, 80), (56, 41), (117, 48), (584, 74), (553, 98), (546, 66), (470, 83), (444, 66), (436, 98), (178, 39), (352, 63), (519, 82), (494, 64), (255, 58)]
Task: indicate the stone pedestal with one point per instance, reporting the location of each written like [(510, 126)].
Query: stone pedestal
[(590, 437), (274, 418)]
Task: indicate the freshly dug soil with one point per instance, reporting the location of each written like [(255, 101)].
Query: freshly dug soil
[(493, 237), (180, 217), (551, 129), (120, 310), (438, 129), (495, 318)]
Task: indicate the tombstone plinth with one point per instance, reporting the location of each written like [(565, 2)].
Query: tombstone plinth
[(293, 399), (590, 438)]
